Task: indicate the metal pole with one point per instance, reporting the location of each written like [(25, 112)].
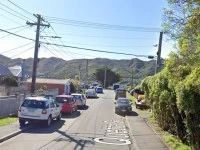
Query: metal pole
[(105, 78)]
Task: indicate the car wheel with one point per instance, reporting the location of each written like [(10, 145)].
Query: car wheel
[(48, 122), (71, 111), (22, 122), (59, 117)]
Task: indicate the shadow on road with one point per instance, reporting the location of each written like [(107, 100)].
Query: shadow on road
[(83, 108), (73, 115), (133, 113)]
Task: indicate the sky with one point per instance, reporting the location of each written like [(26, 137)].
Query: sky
[(130, 27)]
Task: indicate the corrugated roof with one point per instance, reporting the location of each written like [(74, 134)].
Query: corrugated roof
[(47, 80), (4, 71)]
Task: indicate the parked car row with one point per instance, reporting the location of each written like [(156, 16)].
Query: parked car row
[(45, 109)]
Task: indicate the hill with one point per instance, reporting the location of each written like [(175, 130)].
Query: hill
[(58, 68)]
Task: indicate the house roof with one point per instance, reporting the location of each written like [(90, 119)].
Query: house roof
[(50, 81), (4, 71)]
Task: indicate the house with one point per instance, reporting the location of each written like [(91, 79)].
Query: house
[(51, 85)]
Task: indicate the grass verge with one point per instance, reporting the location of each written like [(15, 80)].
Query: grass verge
[(7, 120), (172, 141)]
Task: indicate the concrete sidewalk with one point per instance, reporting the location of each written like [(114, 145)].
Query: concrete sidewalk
[(11, 130), (143, 136)]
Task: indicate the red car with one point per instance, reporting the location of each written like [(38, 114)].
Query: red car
[(67, 103)]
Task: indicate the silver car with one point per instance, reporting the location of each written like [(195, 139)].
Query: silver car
[(80, 99), (91, 93)]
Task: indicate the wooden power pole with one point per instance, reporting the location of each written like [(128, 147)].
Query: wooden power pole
[(35, 60)]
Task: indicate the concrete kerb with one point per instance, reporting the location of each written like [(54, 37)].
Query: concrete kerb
[(14, 134), (135, 147)]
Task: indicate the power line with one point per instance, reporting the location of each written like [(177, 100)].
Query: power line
[(74, 47), (14, 32), (20, 8), (106, 45), (12, 14), (100, 25), (17, 35), (16, 27), (109, 37), (50, 51), (60, 39), (22, 52), (17, 48), (15, 11), (102, 51), (10, 19)]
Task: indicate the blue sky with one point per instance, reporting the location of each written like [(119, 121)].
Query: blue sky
[(143, 13)]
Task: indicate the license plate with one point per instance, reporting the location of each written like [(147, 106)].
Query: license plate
[(123, 110)]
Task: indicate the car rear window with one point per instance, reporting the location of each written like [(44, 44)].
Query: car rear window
[(35, 104), (62, 99), (77, 96), (123, 101)]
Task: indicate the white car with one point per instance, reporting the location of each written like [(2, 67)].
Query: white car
[(80, 99), (91, 93), (39, 109)]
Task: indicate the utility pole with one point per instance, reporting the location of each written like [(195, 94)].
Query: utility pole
[(35, 60), (132, 78), (105, 78), (86, 77), (158, 62)]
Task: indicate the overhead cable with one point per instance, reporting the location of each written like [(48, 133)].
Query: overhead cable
[(16, 48), (15, 11), (20, 8), (74, 47)]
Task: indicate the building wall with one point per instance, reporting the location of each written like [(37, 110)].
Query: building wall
[(48, 86)]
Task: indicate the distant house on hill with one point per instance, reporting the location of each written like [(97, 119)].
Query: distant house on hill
[(51, 85)]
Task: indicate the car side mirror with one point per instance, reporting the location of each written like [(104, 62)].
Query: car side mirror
[(114, 102)]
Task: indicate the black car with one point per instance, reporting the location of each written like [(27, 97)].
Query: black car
[(123, 105)]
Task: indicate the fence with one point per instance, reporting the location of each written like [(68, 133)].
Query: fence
[(9, 105)]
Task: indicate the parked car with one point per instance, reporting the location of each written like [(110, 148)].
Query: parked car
[(67, 103), (140, 101), (120, 92), (80, 99), (39, 109), (91, 93), (123, 105), (99, 89)]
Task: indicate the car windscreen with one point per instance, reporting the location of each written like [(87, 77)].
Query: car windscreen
[(77, 96), (123, 101), (62, 99), (34, 104)]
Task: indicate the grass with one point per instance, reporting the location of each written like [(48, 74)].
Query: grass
[(172, 141), (7, 120)]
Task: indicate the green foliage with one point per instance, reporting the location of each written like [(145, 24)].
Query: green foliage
[(72, 88), (111, 76), (9, 81)]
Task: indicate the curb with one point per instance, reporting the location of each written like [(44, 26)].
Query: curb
[(3, 139), (135, 147)]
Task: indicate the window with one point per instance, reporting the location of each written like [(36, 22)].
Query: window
[(62, 99), (34, 104)]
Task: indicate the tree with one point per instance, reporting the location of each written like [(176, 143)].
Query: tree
[(111, 77)]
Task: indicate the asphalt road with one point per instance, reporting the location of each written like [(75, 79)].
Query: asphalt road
[(95, 127)]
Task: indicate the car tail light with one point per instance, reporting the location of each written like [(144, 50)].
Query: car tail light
[(19, 109), (44, 111)]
